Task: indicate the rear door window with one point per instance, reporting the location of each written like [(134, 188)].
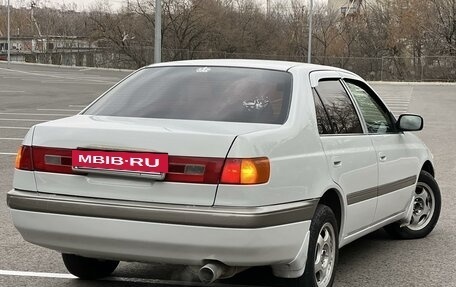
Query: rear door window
[(200, 93), (323, 122), (339, 108)]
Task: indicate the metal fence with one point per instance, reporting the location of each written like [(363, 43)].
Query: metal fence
[(438, 68)]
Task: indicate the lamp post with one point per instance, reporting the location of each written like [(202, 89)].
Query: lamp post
[(309, 48), (9, 39), (157, 48)]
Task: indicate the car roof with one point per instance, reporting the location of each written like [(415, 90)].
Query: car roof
[(259, 64)]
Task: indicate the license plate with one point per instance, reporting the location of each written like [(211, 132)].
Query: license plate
[(120, 161)]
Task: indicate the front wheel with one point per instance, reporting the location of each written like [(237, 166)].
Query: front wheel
[(88, 268), (426, 210)]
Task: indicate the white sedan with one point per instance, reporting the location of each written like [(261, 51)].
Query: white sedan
[(223, 165)]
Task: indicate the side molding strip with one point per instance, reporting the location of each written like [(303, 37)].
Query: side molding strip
[(396, 185), (362, 195), (372, 192)]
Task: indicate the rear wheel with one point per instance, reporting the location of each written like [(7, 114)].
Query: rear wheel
[(426, 210), (88, 268), (323, 251)]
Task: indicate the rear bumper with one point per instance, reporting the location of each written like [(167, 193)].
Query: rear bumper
[(162, 233)]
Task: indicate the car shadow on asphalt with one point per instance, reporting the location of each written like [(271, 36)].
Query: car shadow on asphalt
[(257, 276)]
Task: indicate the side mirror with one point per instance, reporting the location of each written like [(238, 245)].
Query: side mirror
[(410, 122)]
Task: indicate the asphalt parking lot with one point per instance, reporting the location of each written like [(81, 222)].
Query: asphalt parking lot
[(32, 94)]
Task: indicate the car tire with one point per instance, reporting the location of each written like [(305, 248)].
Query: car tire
[(88, 268), (322, 253), (426, 210)]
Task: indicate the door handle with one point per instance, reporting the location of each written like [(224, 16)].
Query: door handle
[(382, 156), (336, 161)]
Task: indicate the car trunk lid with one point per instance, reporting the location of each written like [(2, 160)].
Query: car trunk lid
[(179, 139)]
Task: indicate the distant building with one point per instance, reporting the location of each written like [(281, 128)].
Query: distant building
[(346, 7), (44, 44), (61, 50)]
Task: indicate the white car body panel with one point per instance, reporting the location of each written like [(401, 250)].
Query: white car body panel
[(374, 226), (396, 161), (24, 180), (125, 188), (157, 242), (353, 166), (177, 137)]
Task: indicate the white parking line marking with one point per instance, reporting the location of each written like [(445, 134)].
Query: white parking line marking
[(15, 128), (12, 92), (22, 120), (11, 139), (77, 106), (31, 114), (170, 282), (36, 274), (397, 101), (397, 105), (113, 279), (58, 82), (100, 83), (56, 77), (61, 110), (7, 153)]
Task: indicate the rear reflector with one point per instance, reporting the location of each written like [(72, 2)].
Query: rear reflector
[(56, 160), (204, 170), (194, 169)]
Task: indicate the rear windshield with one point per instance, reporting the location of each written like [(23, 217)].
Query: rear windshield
[(200, 93)]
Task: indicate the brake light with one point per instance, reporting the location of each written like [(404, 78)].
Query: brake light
[(56, 160), (246, 171), (24, 158)]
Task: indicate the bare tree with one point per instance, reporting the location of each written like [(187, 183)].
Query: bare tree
[(120, 32), (326, 31), (444, 15)]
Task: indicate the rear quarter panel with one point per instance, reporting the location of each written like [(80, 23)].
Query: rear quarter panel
[(298, 164)]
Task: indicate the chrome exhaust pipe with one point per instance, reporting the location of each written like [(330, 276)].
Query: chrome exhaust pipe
[(216, 270), (210, 272)]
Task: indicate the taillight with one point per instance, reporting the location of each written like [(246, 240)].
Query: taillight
[(194, 169), (218, 170), (56, 160), (24, 158), (246, 171), (181, 169)]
